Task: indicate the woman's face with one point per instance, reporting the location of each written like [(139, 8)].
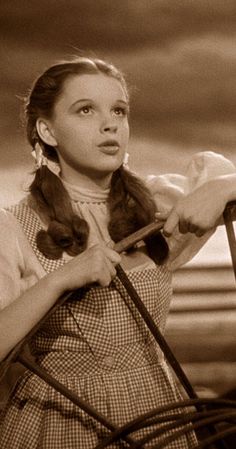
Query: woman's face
[(90, 126)]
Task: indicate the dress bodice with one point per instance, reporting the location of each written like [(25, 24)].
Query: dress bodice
[(101, 317)]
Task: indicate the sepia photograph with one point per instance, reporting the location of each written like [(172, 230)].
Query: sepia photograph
[(117, 224)]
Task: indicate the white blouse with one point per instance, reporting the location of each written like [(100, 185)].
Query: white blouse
[(20, 268)]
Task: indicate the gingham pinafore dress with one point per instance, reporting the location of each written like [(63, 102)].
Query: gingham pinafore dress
[(100, 348)]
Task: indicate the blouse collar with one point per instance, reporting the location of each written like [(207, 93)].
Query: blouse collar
[(80, 194)]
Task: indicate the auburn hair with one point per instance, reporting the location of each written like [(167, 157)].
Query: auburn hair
[(130, 203)]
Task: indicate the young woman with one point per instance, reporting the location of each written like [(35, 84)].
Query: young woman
[(61, 237)]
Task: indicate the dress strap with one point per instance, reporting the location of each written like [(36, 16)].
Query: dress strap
[(31, 225)]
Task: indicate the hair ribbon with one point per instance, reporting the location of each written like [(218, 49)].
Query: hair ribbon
[(41, 159)]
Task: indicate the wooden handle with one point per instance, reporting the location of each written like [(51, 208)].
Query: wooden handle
[(137, 236)]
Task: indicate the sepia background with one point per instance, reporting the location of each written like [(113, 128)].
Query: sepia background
[(179, 58)]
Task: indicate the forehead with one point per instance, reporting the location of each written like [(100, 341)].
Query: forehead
[(97, 87)]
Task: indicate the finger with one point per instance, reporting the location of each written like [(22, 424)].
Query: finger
[(170, 224), (193, 228), (112, 255), (183, 227), (108, 273), (107, 252), (104, 280), (110, 268), (161, 216), (200, 232)]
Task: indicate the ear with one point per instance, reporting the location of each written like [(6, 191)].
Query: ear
[(45, 132)]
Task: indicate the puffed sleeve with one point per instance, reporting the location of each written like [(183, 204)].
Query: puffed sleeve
[(11, 260), (19, 267), (167, 189)]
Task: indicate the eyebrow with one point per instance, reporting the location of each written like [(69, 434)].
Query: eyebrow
[(82, 100)]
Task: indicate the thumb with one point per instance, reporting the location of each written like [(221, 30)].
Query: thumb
[(114, 257), (171, 222), (161, 216)]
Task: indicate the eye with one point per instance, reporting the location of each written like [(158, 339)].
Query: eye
[(121, 111), (85, 110)]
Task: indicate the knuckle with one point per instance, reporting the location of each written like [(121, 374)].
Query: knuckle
[(113, 272), (95, 274), (96, 250), (105, 281)]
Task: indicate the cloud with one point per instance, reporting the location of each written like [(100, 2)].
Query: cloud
[(123, 24), (179, 56), (186, 91)]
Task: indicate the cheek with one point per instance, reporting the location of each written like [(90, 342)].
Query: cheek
[(63, 135), (127, 137), (71, 129), (125, 131)]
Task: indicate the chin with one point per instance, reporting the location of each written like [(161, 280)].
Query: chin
[(111, 166)]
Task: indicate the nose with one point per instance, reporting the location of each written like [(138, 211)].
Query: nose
[(108, 125), (111, 128)]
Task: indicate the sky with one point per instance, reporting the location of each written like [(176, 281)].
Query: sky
[(179, 58)]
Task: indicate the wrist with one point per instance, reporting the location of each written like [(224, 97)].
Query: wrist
[(54, 284)]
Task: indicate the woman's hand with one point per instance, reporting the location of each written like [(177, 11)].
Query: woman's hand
[(200, 210), (96, 264)]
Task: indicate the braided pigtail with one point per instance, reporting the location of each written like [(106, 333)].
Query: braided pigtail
[(131, 208), (66, 231)]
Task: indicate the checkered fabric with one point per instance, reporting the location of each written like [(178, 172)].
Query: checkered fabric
[(31, 225), (100, 348)]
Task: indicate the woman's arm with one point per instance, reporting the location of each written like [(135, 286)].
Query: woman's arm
[(17, 319), (201, 210), (172, 193)]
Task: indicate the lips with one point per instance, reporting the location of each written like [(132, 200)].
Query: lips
[(109, 146), (109, 143)]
